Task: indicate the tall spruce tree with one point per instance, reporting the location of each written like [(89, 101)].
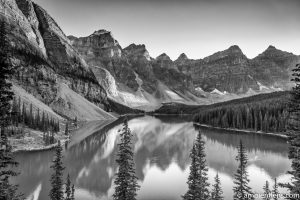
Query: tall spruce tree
[(275, 192), (68, 190), (217, 192), (72, 193), (203, 169), (126, 185), (56, 192), (267, 191), (241, 190), (8, 191), (6, 71), (193, 181), (294, 134), (7, 162), (67, 129)]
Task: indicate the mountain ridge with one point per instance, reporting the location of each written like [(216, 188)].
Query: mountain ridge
[(98, 69)]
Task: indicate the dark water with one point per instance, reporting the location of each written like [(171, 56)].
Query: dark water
[(162, 149)]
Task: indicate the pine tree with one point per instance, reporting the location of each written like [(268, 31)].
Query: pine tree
[(6, 95), (30, 123), (267, 191), (203, 169), (72, 193), (56, 192), (24, 113), (193, 181), (126, 180), (241, 189), (293, 134), (217, 192), (67, 129), (68, 190), (7, 190), (7, 162), (275, 192)]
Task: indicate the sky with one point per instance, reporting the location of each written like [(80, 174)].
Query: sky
[(197, 28)]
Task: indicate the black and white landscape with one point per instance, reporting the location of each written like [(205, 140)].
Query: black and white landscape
[(149, 100)]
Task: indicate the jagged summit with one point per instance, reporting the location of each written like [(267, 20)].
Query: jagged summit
[(163, 56), (271, 47), (182, 56), (235, 48), (101, 32), (232, 52), (140, 49), (135, 47), (272, 51)]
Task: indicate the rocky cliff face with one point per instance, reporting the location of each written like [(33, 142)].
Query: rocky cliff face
[(225, 72), (231, 71), (135, 72), (273, 67), (45, 59), (96, 66)]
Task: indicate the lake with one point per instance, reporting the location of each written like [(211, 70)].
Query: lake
[(161, 146)]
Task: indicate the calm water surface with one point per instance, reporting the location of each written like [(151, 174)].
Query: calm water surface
[(162, 160)]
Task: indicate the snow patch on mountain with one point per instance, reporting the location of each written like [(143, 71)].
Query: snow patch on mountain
[(262, 87), (216, 91)]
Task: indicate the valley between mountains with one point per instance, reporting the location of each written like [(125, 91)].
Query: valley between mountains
[(77, 79)]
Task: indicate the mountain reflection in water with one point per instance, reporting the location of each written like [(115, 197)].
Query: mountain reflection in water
[(162, 148)]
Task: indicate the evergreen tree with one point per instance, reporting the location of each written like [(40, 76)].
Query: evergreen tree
[(56, 192), (6, 95), (217, 192), (203, 169), (67, 129), (267, 191), (7, 190), (241, 189), (7, 162), (126, 180), (193, 181), (68, 190), (23, 113), (72, 193), (294, 134), (275, 192)]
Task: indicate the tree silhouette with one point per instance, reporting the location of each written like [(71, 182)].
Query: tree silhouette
[(68, 190), (56, 192), (275, 192), (193, 181), (198, 181), (7, 162), (267, 191), (217, 192), (241, 190), (294, 136), (72, 193), (126, 185)]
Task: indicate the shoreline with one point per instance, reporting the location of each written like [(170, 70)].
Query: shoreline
[(45, 148), (241, 130)]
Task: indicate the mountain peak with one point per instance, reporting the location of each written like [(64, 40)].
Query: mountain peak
[(134, 46), (271, 47), (140, 49), (182, 56), (233, 51), (235, 48), (101, 32), (163, 56)]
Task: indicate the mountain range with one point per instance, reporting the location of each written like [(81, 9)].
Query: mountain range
[(86, 77)]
